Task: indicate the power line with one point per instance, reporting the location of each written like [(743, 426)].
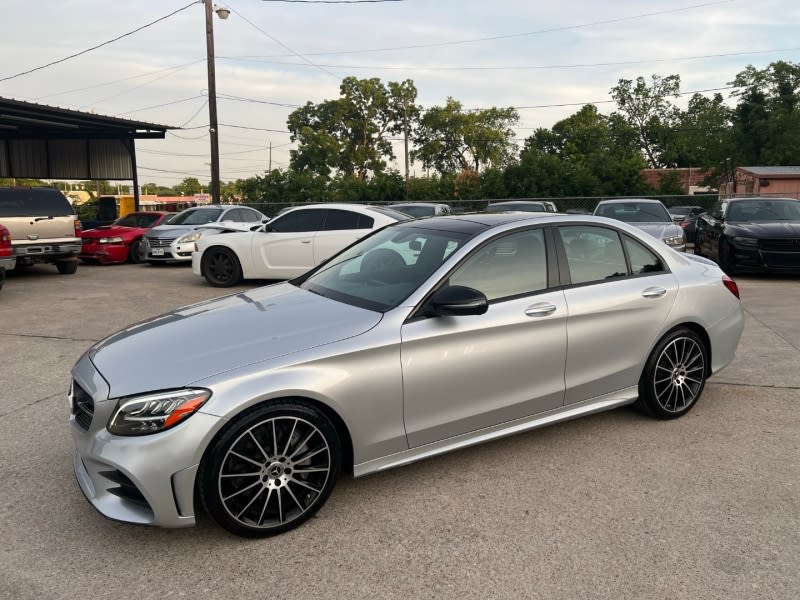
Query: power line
[(127, 112), (82, 52), (505, 67), (194, 115), (253, 100), (523, 34), (280, 43), (334, 1), (112, 82)]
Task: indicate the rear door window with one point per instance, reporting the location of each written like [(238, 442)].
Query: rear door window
[(336, 220), (593, 253), (33, 203)]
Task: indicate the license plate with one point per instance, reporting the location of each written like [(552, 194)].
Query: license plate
[(158, 252)]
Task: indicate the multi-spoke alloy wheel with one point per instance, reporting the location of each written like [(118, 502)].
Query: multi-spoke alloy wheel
[(272, 470), (674, 375)]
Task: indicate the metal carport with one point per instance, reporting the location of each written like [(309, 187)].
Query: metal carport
[(46, 142)]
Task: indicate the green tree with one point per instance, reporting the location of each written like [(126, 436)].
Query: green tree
[(646, 107), (451, 139), (766, 120), (189, 186), (351, 135)]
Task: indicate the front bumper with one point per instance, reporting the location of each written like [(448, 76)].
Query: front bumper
[(758, 260), (149, 479), (104, 253), (175, 252)]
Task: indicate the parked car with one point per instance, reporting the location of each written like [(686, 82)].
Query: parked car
[(174, 242), (289, 245), (648, 215), (120, 241), (751, 234), (7, 260), (686, 217), (517, 205), (425, 337), (422, 209), (550, 206), (43, 227)]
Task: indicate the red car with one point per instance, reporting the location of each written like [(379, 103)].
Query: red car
[(119, 242)]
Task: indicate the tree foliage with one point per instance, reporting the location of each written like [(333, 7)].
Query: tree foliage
[(350, 136), (450, 139)]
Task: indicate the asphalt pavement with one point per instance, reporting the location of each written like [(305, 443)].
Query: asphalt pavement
[(610, 506)]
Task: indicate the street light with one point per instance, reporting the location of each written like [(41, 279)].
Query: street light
[(213, 127)]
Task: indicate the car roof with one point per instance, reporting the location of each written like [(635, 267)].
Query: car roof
[(759, 198), (627, 200), (517, 202), (417, 204)]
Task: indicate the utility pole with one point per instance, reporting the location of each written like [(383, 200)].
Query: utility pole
[(405, 127), (213, 127), (269, 169)]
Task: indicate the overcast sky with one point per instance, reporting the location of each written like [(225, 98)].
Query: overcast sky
[(165, 63)]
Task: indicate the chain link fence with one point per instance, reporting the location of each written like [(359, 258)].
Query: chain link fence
[(576, 204)]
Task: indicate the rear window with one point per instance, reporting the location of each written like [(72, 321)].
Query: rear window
[(15, 202)]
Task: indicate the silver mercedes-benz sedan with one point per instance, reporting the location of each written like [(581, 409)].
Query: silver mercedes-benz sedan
[(425, 337)]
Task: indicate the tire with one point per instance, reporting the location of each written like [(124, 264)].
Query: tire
[(67, 267), (220, 267), (271, 495), (133, 253), (726, 260), (674, 375)]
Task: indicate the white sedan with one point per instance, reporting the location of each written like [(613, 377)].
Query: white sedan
[(289, 245)]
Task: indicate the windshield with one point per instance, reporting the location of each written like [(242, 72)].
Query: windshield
[(196, 216), (763, 211), (138, 220), (415, 210), (384, 269), (635, 212), (521, 206)]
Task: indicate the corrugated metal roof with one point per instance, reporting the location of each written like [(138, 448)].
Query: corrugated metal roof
[(793, 171), (21, 116)]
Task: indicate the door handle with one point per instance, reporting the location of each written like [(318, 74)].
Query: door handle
[(654, 292), (540, 309), (305, 241)]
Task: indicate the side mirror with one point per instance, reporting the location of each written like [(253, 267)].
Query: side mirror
[(265, 220), (456, 300)]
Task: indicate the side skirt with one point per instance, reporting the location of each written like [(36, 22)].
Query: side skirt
[(565, 413)]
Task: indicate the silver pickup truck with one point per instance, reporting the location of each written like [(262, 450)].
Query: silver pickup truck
[(43, 226)]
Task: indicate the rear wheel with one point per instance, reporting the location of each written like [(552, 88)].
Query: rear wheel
[(67, 267), (220, 267), (726, 258), (271, 469), (674, 375)]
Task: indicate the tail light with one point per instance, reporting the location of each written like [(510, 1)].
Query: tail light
[(731, 285), (78, 228), (5, 242)]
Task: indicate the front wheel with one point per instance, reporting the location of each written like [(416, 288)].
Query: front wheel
[(674, 375), (134, 255), (271, 469), (220, 267), (726, 259)]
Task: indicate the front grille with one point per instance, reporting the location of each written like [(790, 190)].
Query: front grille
[(160, 242), (780, 245), (82, 406)]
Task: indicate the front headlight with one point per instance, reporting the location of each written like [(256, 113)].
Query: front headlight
[(110, 240), (677, 240), (151, 413), (190, 237), (744, 241)]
